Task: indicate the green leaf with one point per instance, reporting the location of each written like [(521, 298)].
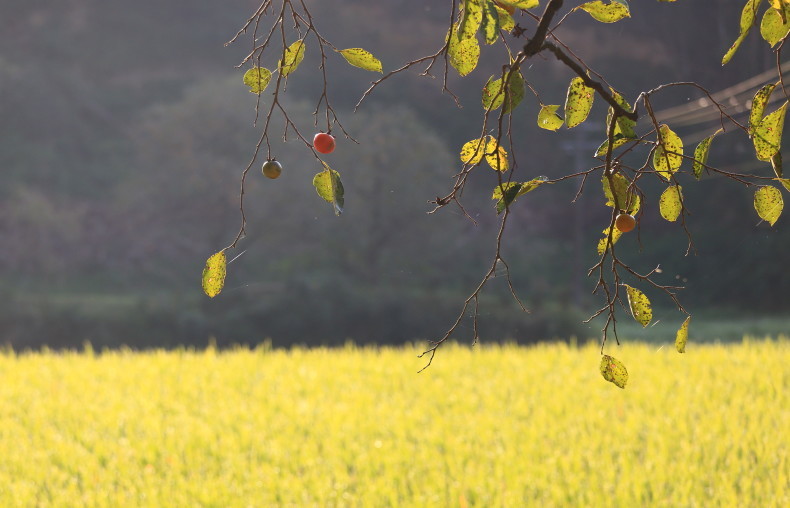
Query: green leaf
[(614, 371), (668, 156), (639, 304), (549, 119), (463, 53), (506, 21), (682, 336), (496, 156), (624, 128), (785, 182), (214, 274), (490, 23), (506, 193), (768, 203), (494, 94), (606, 13), (294, 54), (670, 204), (507, 196), (603, 243), (747, 20), (471, 18), (776, 164), (627, 200), (520, 4), (578, 102), (328, 185), (619, 140), (759, 101), (773, 28), (767, 135), (701, 154), (257, 79), (358, 57)]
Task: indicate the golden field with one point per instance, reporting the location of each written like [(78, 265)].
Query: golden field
[(496, 426)]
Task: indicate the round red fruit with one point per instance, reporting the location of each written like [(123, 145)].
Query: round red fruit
[(324, 143)]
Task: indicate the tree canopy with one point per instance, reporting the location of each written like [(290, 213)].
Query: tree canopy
[(641, 162)]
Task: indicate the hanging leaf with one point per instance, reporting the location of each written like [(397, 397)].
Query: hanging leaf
[(257, 79), (463, 52), (759, 101), (619, 140), (747, 20), (639, 304), (294, 54), (520, 4), (214, 274), (768, 203), (668, 156), (682, 336), (328, 185), (490, 24), (494, 95), (624, 128), (358, 57), (606, 12), (701, 154), (471, 18), (627, 200), (614, 371), (496, 156), (670, 204), (549, 119), (472, 151), (776, 164), (785, 182), (603, 243), (773, 28), (767, 135), (578, 102), (506, 21), (506, 193)]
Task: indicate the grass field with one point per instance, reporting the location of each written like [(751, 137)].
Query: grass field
[(489, 427)]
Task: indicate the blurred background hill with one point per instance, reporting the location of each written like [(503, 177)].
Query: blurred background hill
[(124, 128)]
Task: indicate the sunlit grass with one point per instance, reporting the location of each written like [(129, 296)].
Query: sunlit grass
[(489, 426)]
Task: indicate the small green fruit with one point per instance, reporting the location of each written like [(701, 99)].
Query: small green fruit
[(272, 169)]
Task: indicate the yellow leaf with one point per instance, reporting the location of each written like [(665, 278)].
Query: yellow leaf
[(747, 20), (668, 155), (603, 243), (257, 79), (682, 336), (640, 305), (463, 53), (496, 156), (768, 203), (294, 54), (214, 274), (363, 59), (472, 151), (614, 371), (578, 102), (548, 118), (767, 135), (670, 204), (606, 13)]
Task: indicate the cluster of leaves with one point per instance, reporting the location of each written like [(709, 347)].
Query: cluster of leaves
[(490, 22)]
